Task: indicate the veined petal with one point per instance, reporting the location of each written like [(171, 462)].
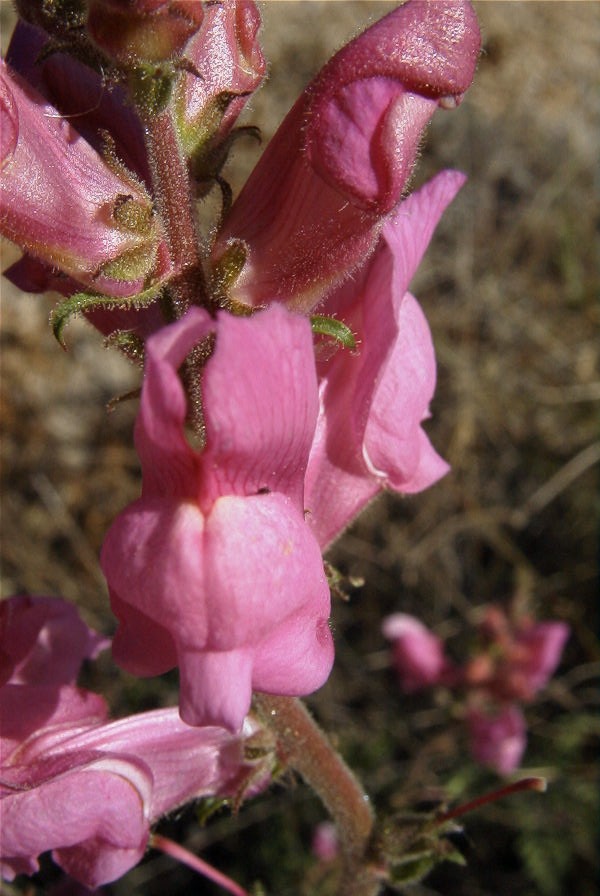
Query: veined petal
[(92, 816)]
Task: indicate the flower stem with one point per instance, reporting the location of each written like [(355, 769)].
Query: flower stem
[(170, 848), (306, 749), (174, 200)]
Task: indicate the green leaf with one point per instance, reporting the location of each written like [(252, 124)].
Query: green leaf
[(88, 301), (333, 329)]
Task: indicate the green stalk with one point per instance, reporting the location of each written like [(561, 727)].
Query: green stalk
[(305, 748)]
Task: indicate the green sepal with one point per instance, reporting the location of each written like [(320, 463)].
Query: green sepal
[(133, 264), (333, 329), (86, 301), (152, 86), (227, 269), (409, 844), (129, 343), (132, 216), (424, 856)]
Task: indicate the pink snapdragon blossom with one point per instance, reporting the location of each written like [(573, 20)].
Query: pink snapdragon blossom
[(418, 654), (498, 738), (80, 246), (314, 205), (72, 781), (63, 204), (214, 568)]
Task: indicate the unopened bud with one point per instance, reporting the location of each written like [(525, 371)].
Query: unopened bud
[(134, 31)]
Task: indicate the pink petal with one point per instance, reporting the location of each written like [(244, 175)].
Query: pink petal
[(498, 740), (92, 816), (297, 657), (9, 118), (396, 450), (44, 641), (373, 401), (418, 653), (543, 644), (259, 430), (215, 686), (27, 709), (410, 228), (153, 559)]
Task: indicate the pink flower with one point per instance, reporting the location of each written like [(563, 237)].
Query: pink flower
[(63, 204), (313, 208), (84, 787), (374, 401), (91, 791), (88, 224), (214, 568), (418, 654), (498, 739), (518, 656)]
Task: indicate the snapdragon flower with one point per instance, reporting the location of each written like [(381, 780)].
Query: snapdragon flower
[(215, 569), (75, 782)]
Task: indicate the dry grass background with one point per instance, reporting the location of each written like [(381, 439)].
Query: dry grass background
[(510, 286)]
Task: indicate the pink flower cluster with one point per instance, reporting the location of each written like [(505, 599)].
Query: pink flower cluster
[(72, 780), (217, 568), (513, 661)]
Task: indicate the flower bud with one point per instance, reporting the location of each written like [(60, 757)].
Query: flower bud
[(228, 66), (133, 31), (418, 653)]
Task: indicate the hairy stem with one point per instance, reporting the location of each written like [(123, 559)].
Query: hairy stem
[(306, 749), (173, 196)]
